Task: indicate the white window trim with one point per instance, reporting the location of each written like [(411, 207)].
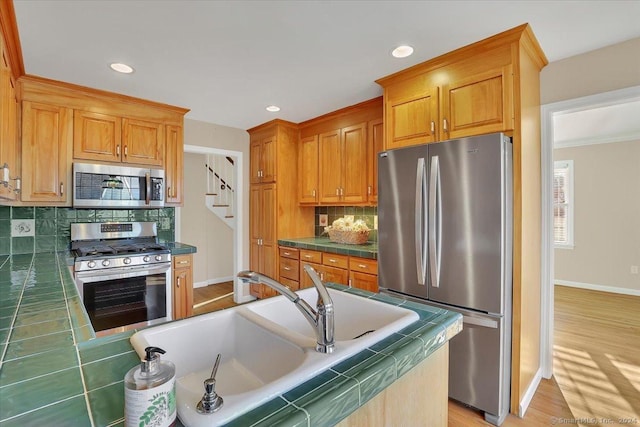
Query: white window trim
[(570, 203)]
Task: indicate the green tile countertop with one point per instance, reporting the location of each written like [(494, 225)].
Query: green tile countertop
[(54, 371), (178, 248), (367, 250)]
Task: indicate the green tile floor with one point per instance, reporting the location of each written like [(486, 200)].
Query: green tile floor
[(53, 371)]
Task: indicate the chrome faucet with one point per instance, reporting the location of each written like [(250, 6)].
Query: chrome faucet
[(321, 319)]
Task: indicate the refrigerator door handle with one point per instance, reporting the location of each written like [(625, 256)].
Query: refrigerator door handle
[(421, 253), (435, 219), (487, 323)]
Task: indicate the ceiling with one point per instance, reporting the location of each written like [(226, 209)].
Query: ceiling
[(228, 60)]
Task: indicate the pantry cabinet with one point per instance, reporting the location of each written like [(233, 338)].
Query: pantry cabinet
[(182, 286), (46, 153), (274, 211)]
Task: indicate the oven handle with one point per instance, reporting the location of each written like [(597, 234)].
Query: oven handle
[(122, 273)]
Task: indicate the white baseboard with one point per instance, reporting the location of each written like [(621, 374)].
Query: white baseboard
[(528, 395), (602, 288), (213, 281)]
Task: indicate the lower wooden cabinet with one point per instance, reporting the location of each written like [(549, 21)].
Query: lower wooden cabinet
[(182, 286)]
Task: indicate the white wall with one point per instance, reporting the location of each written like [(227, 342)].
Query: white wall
[(198, 226), (607, 219)]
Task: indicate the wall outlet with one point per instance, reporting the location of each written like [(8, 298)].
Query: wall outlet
[(634, 269), (375, 222), (23, 227)]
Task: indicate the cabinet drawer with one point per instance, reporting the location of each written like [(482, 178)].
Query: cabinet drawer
[(311, 256), (289, 252), (289, 268), (333, 260), (182, 261), (291, 284), (363, 265)]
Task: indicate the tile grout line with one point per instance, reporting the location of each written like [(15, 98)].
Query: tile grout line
[(15, 313), (295, 406), (75, 344)]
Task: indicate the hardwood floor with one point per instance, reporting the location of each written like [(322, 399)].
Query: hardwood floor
[(596, 366), (213, 297)]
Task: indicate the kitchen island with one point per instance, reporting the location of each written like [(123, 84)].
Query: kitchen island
[(54, 370)]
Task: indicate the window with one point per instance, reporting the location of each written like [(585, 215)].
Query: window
[(563, 204)]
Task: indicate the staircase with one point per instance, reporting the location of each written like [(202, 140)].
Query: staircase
[(221, 197)]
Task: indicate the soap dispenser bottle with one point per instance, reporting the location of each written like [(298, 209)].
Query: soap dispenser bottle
[(150, 392)]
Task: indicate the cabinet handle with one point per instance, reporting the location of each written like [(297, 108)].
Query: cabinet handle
[(445, 125), (287, 253), (349, 283), (368, 189), (321, 276), (313, 192), (308, 256), (332, 260), (341, 191), (362, 266), (337, 192), (433, 127), (126, 150), (62, 188), (117, 150), (178, 282), (286, 268), (183, 262), (168, 191)]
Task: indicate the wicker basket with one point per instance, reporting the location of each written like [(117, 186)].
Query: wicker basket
[(348, 237)]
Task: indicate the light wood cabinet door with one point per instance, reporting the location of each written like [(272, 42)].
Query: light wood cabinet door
[(375, 144), (330, 166), (8, 126), (263, 251), (174, 165), (412, 120), (308, 170), (478, 104), (255, 162), (368, 282), (353, 188), (96, 136), (182, 286), (143, 142), (268, 159), (46, 153), (334, 275)]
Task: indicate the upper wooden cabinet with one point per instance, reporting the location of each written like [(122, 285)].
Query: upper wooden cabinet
[(308, 170), (143, 142), (9, 147), (46, 153), (337, 155), (263, 159), (174, 164), (471, 97)]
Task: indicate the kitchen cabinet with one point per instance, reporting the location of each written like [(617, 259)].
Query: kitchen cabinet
[(111, 138), (375, 144), (182, 286), (337, 156), (342, 162), (274, 211), (174, 165), (452, 102), (46, 153), (489, 86), (8, 126), (361, 273), (308, 170), (263, 160)]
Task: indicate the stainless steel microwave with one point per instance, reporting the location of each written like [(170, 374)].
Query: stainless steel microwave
[(114, 186)]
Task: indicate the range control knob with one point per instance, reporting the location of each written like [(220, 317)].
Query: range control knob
[(127, 260), (106, 263), (146, 258), (91, 264), (158, 257)]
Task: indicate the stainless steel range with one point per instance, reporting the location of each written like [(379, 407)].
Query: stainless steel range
[(123, 274)]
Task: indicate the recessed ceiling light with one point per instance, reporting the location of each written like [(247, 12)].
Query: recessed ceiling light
[(273, 108), (121, 68), (402, 51)]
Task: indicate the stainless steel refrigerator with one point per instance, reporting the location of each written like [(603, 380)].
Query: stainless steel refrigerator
[(445, 238)]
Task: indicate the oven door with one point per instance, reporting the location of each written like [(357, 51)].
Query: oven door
[(125, 298)]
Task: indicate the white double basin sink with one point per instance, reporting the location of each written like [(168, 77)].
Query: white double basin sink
[(267, 348)]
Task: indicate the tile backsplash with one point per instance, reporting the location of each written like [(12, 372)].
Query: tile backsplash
[(49, 227), (367, 213)]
